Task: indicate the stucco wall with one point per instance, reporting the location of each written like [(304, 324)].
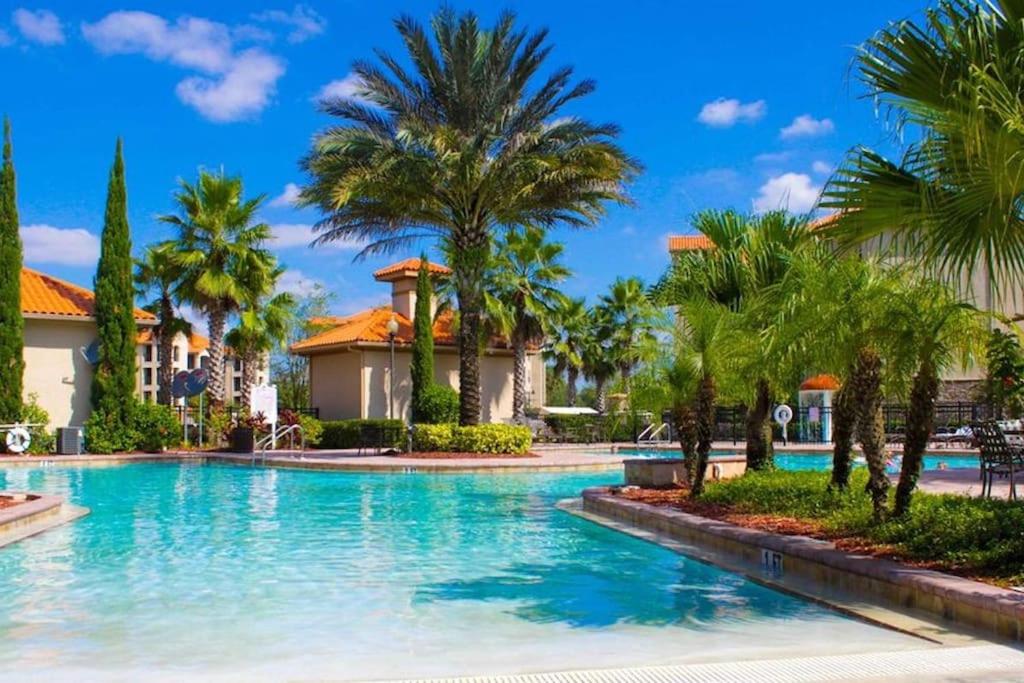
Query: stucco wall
[(334, 385), (55, 369)]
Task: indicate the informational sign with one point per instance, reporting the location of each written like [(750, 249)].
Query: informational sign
[(814, 414), (264, 400)]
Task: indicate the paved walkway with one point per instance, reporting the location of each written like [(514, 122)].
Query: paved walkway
[(965, 482)]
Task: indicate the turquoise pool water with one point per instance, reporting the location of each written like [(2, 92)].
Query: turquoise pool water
[(229, 573), (793, 460)]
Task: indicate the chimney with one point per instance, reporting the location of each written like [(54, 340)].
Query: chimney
[(403, 276)]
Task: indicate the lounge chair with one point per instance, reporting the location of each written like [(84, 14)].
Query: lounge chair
[(998, 458)]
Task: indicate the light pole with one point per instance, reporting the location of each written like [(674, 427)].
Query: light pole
[(392, 331)]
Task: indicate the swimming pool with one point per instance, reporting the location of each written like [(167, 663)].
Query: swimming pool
[(232, 573), (795, 460)]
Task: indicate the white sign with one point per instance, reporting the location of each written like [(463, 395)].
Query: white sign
[(814, 414), (264, 400), (783, 414)]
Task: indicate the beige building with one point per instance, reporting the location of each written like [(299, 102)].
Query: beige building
[(350, 369)]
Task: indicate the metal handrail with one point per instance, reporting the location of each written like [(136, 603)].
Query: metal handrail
[(264, 444), (650, 433)]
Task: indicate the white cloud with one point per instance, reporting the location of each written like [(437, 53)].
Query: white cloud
[(773, 157), (287, 198), (290, 235), (41, 26), (233, 85), (793, 191), (64, 246), (5, 38), (243, 90), (297, 283), (822, 167), (806, 125), (196, 317), (723, 113), (304, 21), (347, 88)]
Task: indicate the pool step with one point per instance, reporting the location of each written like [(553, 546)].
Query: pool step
[(988, 663)]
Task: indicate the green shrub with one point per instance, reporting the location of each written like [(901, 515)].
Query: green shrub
[(433, 437), (345, 433), (104, 433), (312, 430), (493, 438), (43, 439), (439, 404), (156, 427)]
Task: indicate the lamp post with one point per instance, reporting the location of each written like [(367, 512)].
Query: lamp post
[(392, 331)]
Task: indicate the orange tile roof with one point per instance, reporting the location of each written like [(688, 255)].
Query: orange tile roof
[(43, 294), (197, 343), (410, 267), (820, 383), (677, 243)]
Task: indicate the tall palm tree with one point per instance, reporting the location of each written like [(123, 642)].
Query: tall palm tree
[(598, 361), (568, 336), (748, 256), (464, 144), (262, 326), (158, 272), (526, 272), (931, 330), (632, 318), (954, 198), (220, 250)]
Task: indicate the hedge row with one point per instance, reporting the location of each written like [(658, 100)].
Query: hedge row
[(497, 439), (347, 433)]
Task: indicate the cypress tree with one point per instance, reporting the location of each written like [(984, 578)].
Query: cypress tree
[(422, 369), (12, 325), (113, 382)]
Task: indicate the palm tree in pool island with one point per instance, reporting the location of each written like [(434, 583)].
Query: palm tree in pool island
[(468, 142), (222, 256), (263, 324), (527, 270)]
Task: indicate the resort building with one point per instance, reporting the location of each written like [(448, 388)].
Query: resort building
[(350, 371), (190, 352)]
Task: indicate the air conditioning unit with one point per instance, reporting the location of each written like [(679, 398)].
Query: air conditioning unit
[(69, 440)]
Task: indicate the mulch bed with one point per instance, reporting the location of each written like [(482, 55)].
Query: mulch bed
[(437, 455), (678, 499)]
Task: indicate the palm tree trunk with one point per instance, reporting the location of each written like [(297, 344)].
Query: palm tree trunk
[(600, 395), (871, 427), (216, 318), (760, 455), (844, 419), (519, 377), (249, 361), (920, 422), (166, 371), (705, 413), (686, 429), (468, 265), (572, 373)]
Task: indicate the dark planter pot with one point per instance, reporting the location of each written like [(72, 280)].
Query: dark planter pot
[(243, 440)]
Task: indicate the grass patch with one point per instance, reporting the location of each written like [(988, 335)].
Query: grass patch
[(973, 536)]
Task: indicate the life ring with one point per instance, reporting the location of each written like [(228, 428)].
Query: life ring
[(18, 440)]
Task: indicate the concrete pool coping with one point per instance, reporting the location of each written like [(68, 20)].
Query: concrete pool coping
[(872, 588), (39, 513)]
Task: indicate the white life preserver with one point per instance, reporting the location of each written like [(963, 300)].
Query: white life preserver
[(18, 439), (783, 414)]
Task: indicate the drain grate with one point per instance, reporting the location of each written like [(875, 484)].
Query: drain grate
[(918, 664)]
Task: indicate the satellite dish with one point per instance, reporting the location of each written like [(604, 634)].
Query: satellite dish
[(178, 385), (196, 382), (91, 353)]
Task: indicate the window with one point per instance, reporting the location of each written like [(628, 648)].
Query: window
[(238, 383), (147, 376), (238, 365), (191, 361), (175, 354), (147, 353)]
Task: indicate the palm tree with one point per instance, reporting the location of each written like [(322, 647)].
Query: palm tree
[(526, 272), (220, 251), (954, 198), (570, 320), (632, 318), (457, 149), (262, 326), (159, 272), (931, 330), (598, 361), (748, 256), (701, 338)]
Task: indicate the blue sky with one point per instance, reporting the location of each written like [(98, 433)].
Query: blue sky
[(744, 104)]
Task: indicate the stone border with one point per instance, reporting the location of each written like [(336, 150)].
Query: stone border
[(992, 610), (38, 514)]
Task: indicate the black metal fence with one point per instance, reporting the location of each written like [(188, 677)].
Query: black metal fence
[(191, 413), (813, 424)]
